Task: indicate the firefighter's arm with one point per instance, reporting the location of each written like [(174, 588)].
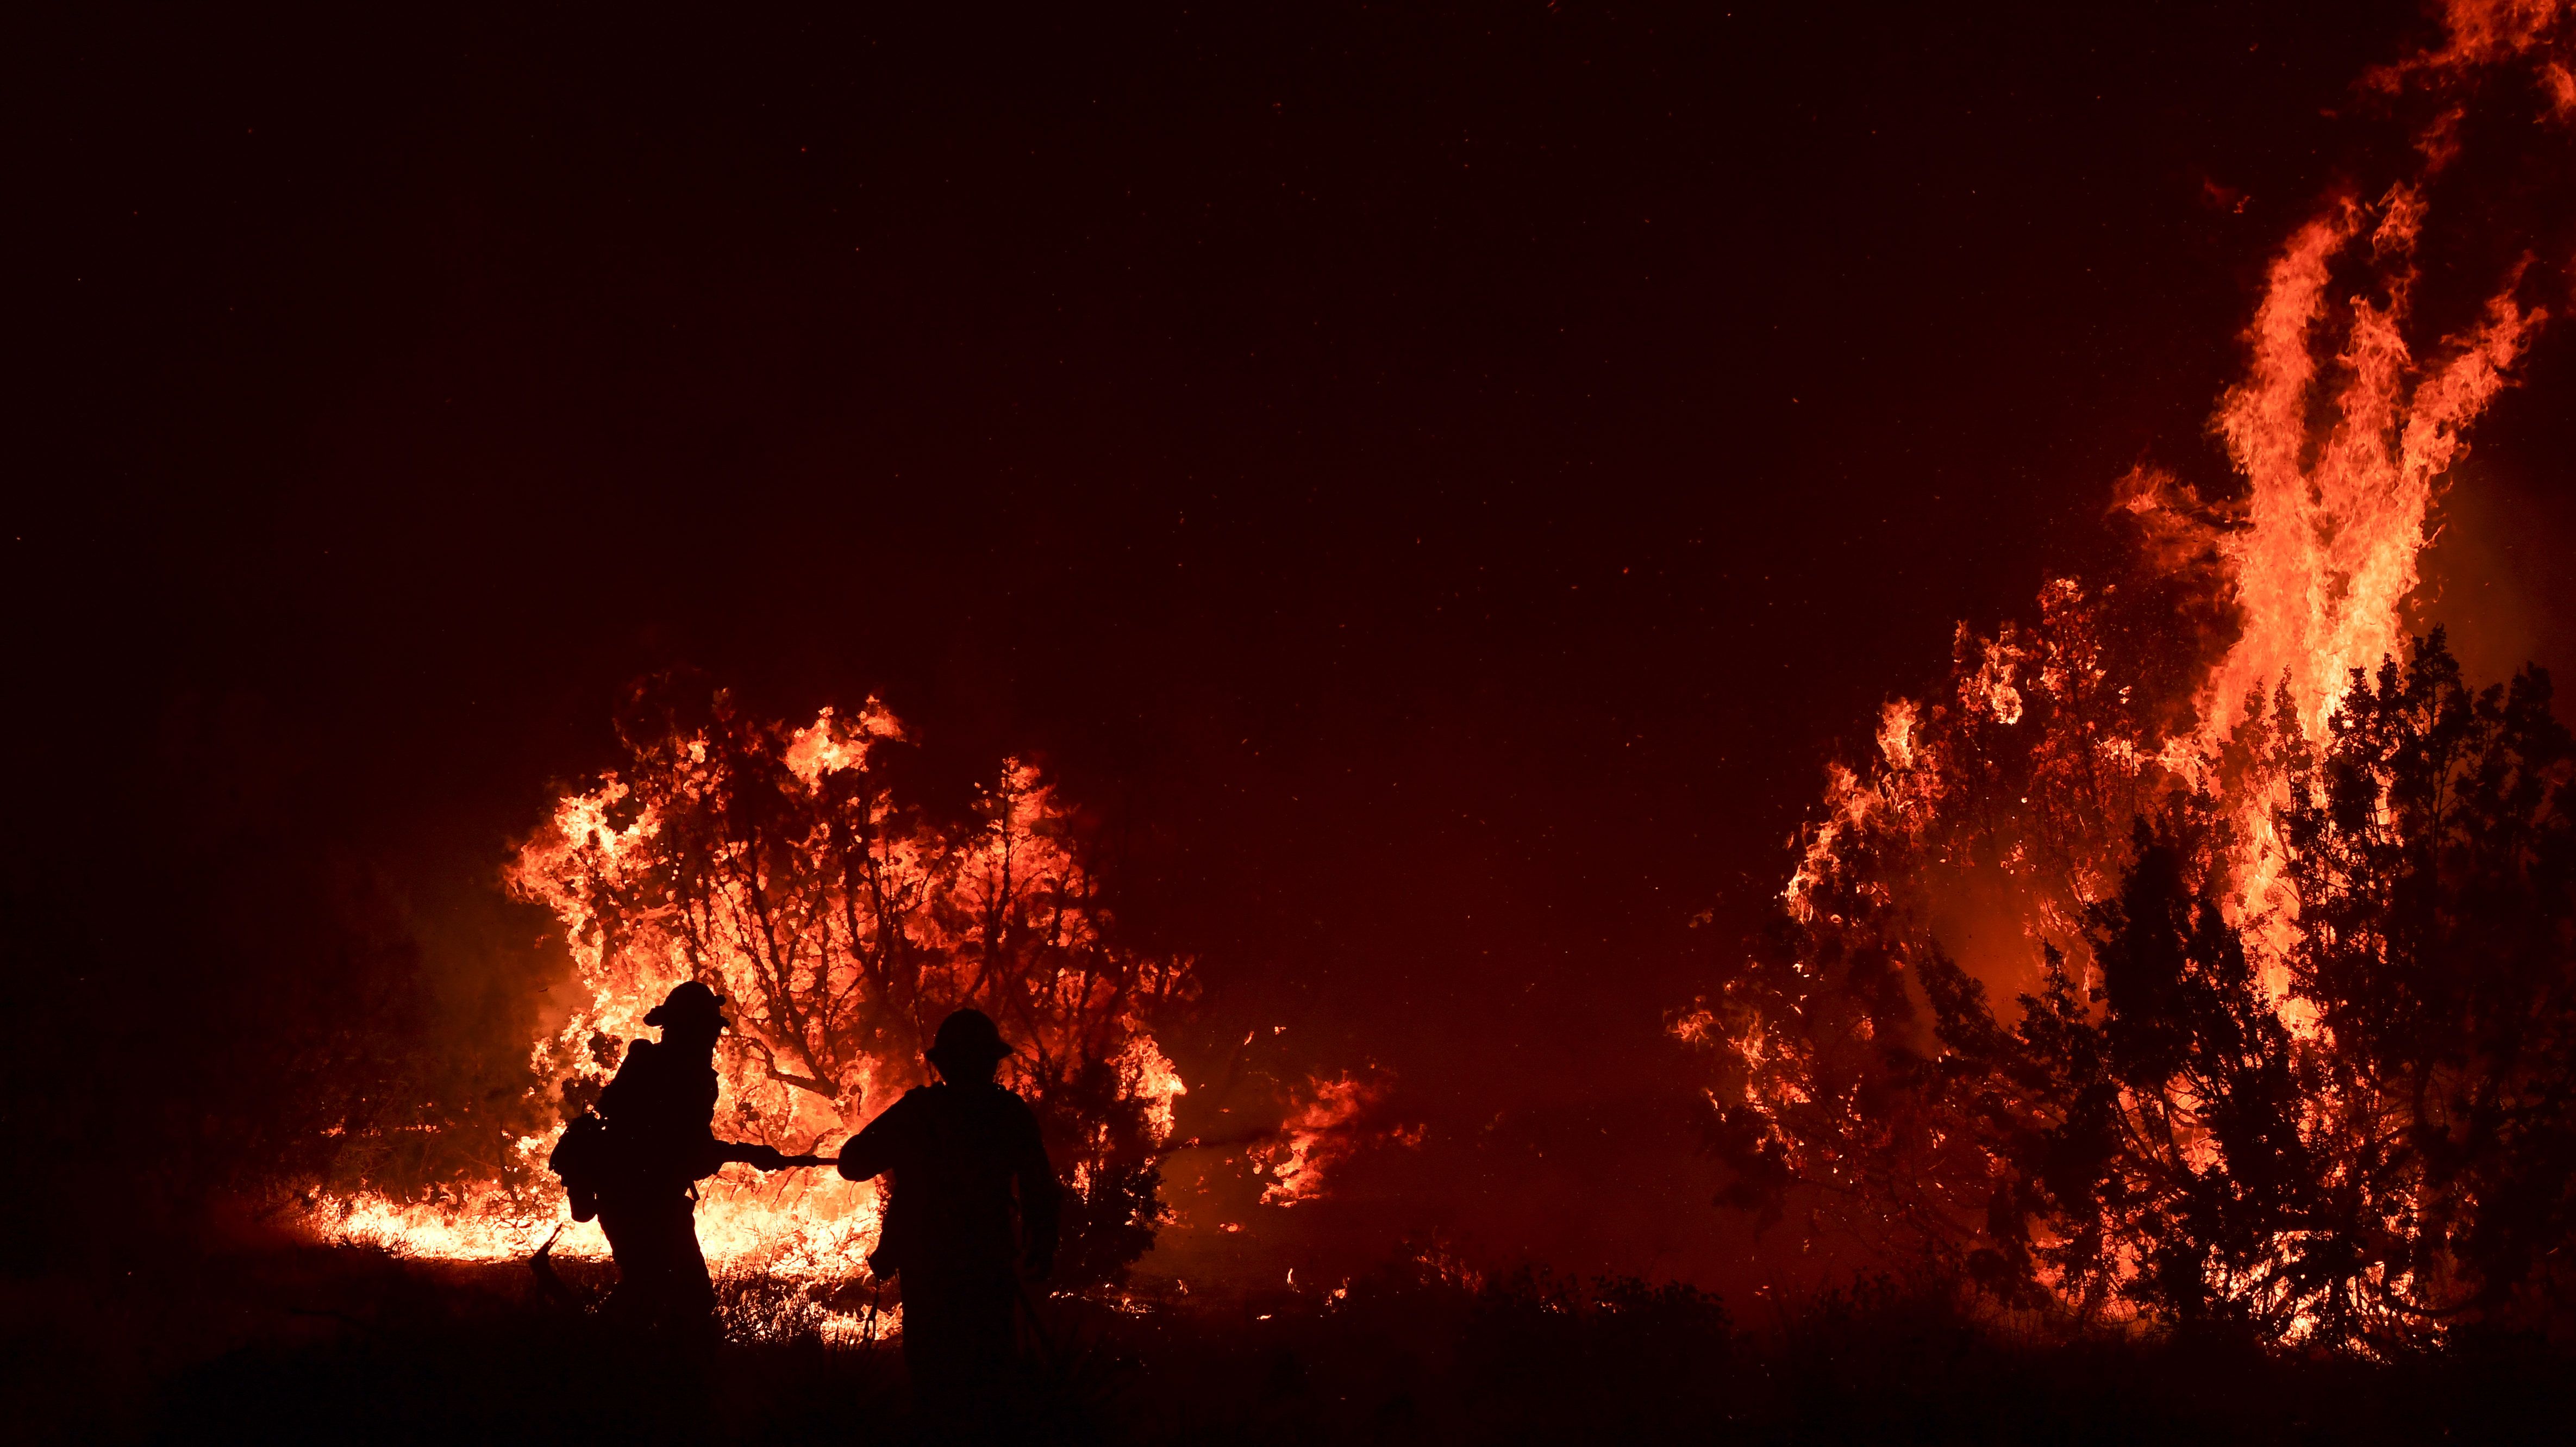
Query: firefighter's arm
[(705, 1154), (871, 1153)]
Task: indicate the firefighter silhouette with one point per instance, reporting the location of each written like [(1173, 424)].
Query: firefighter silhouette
[(957, 1233), (660, 1115)]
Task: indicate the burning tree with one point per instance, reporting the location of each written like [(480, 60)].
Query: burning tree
[(842, 918), (2287, 923), (2349, 1117), (2432, 856), (2389, 1154)]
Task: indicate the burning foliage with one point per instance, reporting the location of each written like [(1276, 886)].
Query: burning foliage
[(843, 920), (1328, 1121), (2288, 938), (842, 916), (2376, 1151), (2170, 1137)]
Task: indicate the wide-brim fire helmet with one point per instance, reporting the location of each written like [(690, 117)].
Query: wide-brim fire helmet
[(968, 1044), (688, 1001)]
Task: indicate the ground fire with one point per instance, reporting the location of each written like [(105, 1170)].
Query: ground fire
[(2281, 900)]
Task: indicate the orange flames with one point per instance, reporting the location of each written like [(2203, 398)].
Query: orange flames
[(2319, 555), (1326, 1123), (1991, 824), (2333, 524), (840, 921)]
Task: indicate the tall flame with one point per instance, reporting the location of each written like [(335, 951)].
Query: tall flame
[(2333, 525)]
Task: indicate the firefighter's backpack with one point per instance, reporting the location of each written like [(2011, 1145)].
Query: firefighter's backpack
[(583, 1158)]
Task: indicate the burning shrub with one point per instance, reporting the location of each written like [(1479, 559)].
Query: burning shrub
[(842, 919), (1983, 819)]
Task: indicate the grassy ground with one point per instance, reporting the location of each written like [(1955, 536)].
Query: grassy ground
[(339, 1346)]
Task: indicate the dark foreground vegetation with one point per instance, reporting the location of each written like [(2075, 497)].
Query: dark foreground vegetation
[(310, 1345)]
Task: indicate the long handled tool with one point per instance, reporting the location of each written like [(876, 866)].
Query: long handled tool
[(1037, 1329), (785, 1161)]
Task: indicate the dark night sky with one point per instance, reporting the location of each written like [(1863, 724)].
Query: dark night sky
[(1445, 479)]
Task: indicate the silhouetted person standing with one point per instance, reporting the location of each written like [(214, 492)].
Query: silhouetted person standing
[(660, 1112), (957, 1232)]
